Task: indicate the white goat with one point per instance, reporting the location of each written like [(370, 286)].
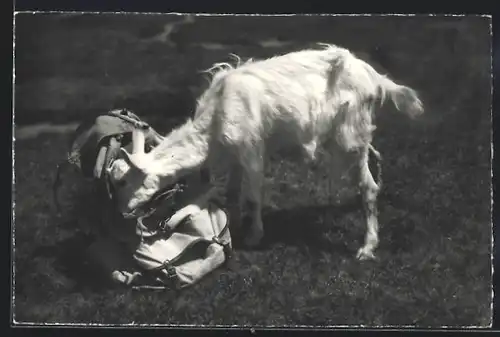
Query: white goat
[(306, 98)]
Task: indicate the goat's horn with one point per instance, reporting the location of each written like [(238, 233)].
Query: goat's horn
[(138, 141)]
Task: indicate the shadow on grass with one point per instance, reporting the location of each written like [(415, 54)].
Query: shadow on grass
[(304, 226), (339, 228)]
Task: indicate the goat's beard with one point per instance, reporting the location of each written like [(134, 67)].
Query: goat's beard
[(136, 208), (148, 206), (137, 212)]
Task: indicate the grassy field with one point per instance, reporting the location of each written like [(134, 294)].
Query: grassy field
[(433, 266)]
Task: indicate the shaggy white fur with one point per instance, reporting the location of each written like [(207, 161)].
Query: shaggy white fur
[(303, 99)]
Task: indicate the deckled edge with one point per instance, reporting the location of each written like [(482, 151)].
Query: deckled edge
[(248, 14), (492, 244), (13, 182), (244, 327)]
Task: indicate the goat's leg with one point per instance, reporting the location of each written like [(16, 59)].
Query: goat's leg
[(233, 196), (369, 192), (255, 175)]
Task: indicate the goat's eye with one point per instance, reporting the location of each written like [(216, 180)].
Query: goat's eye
[(121, 183)]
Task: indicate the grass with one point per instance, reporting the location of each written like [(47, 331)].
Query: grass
[(433, 266)]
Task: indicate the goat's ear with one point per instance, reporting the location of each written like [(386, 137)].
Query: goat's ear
[(131, 159)]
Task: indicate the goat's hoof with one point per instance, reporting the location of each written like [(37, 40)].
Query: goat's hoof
[(365, 254)]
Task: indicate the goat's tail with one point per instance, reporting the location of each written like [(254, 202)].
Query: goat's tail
[(404, 98)]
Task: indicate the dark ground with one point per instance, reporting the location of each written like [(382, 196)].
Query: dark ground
[(434, 266)]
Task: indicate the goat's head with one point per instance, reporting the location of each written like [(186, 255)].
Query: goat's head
[(135, 177)]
